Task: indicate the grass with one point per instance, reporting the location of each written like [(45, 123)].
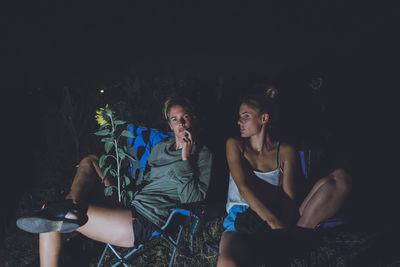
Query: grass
[(157, 252), (342, 246)]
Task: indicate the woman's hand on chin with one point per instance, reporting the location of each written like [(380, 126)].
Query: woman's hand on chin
[(187, 145)]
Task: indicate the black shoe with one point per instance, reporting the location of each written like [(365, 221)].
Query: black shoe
[(51, 218)]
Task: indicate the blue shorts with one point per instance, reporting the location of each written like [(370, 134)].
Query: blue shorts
[(229, 222)]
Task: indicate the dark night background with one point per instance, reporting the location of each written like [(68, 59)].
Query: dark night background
[(52, 44)]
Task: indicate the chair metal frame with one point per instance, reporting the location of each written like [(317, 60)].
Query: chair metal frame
[(164, 233)]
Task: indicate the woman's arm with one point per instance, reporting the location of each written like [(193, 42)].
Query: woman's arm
[(193, 181), (240, 176)]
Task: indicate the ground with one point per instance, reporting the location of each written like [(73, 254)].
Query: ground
[(345, 245)]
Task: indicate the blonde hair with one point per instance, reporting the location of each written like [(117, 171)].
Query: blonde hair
[(177, 100)]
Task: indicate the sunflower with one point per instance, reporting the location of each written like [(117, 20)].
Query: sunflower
[(101, 117)]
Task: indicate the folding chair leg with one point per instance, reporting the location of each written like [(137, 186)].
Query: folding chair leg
[(102, 255), (165, 234), (120, 262), (120, 259), (191, 244), (175, 243), (132, 251), (123, 260)]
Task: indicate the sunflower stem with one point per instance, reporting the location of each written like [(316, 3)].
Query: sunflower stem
[(113, 126), (105, 118), (118, 170)]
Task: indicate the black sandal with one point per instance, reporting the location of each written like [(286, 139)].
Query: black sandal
[(51, 218)]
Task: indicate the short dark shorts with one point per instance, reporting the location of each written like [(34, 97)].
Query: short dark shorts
[(142, 228)]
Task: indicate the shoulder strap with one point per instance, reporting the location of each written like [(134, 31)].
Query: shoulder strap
[(278, 157)]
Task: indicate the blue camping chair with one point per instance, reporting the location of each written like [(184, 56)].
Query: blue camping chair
[(171, 232)]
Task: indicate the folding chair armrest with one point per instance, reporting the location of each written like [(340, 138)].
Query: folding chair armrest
[(173, 214), (193, 206), (198, 209), (185, 212)]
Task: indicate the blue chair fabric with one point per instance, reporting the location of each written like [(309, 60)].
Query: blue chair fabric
[(144, 141)]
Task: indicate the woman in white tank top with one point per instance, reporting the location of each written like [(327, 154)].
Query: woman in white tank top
[(266, 180)]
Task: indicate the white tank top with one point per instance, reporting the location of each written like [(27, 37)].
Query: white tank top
[(272, 177)]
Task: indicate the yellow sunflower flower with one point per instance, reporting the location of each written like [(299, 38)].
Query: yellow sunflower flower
[(101, 116)]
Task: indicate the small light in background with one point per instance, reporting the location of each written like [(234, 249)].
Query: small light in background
[(101, 91)]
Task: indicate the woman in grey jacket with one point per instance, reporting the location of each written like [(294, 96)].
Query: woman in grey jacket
[(180, 170)]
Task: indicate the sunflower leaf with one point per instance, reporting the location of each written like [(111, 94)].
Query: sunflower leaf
[(104, 125), (102, 160), (113, 172), (107, 139), (121, 153), (130, 194), (106, 171), (108, 112), (127, 180), (127, 133), (103, 132), (108, 146), (130, 157), (119, 122), (108, 191)]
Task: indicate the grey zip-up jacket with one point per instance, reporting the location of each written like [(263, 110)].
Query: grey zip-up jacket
[(172, 181)]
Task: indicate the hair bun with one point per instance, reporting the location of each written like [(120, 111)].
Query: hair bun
[(271, 93)]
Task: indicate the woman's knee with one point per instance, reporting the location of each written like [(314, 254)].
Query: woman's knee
[(224, 244), (237, 248), (229, 244), (342, 180), (90, 160)]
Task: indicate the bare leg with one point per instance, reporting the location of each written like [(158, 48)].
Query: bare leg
[(235, 250), (325, 199), (86, 178), (110, 225), (49, 249), (225, 257)]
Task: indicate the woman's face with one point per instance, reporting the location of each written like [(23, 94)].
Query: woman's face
[(179, 120), (250, 122)]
